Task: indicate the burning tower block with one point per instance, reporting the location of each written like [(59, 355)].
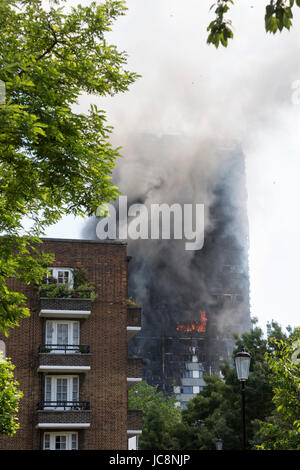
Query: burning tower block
[(193, 301)]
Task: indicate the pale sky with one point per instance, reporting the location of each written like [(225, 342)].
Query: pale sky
[(245, 92)]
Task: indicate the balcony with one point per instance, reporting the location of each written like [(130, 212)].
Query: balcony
[(134, 422), (63, 415), (134, 371), (193, 381), (64, 358), (64, 307), (134, 321)]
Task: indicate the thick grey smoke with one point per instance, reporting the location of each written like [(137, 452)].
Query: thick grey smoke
[(193, 111), (163, 275)]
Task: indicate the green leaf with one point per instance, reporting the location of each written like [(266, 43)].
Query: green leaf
[(53, 161)]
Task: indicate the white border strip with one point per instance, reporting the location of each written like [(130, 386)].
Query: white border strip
[(63, 368), (62, 425), (67, 312), (130, 431), (133, 379)]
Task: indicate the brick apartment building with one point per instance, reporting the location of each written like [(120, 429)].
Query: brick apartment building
[(71, 355)]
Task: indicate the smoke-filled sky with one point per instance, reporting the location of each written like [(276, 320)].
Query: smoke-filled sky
[(240, 94)]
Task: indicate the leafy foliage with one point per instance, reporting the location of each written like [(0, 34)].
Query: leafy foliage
[(132, 303), (272, 401), (278, 15), (20, 259), (63, 291), (282, 430), (9, 399), (219, 29), (159, 416), (53, 161), (216, 411)]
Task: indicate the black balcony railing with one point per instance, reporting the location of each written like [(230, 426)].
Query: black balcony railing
[(64, 405), (64, 348)]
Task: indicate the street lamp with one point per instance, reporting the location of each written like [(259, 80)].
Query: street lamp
[(219, 444), (242, 363)]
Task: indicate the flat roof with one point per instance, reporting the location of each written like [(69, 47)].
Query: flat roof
[(83, 240)]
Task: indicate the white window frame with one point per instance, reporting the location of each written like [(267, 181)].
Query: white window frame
[(55, 272), (51, 337), (52, 440), (51, 395)]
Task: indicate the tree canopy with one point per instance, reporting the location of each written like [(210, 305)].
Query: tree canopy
[(53, 161), (272, 401), (160, 416), (281, 430), (216, 411), (9, 398)]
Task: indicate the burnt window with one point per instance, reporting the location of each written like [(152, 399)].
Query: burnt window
[(187, 374)]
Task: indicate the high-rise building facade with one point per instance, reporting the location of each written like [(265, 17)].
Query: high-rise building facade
[(193, 302), (71, 354)]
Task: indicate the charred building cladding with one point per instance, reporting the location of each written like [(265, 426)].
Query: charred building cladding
[(192, 301)]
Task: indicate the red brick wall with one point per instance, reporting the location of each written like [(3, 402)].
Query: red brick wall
[(105, 331), (134, 367)]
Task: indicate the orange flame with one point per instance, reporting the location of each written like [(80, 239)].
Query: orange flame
[(197, 325)]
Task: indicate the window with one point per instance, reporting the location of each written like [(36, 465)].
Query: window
[(193, 374), (62, 333), (188, 374), (187, 389), (2, 351), (230, 268), (61, 392), (62, 275), (60, 441), (227, 299)]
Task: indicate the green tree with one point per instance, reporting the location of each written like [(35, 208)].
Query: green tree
[(160, 416), (9, 399), (278, 15), (53, 161), (216, 411), (210, 415), (282, 430)]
